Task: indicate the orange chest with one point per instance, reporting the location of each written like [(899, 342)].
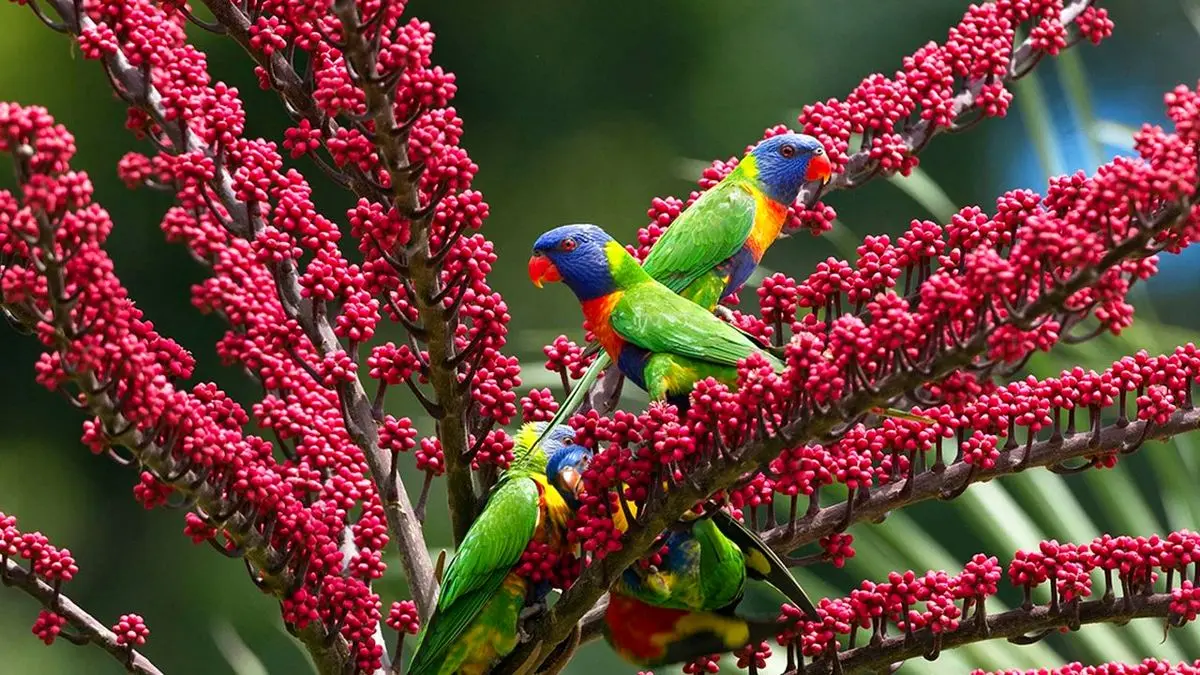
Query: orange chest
[(597, 311), (769, 216)]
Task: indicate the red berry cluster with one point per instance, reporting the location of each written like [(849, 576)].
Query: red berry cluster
[(55, 567), (1146, 667), (940, 87), (940, 602)]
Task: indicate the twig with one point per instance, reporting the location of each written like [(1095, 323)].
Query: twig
[(860, 167), (423, 271), (85, 624), (1011, 624)]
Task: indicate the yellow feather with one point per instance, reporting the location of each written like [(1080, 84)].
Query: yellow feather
[(758, 562), (556, 507), (735, 632)]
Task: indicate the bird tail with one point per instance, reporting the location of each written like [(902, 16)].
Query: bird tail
[(718, 634), (577, 396), (762, 563)]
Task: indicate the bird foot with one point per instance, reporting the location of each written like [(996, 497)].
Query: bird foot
[(526, 614), (533, 610)]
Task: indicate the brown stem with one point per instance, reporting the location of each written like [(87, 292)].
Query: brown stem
[(1011, 624), (360, 423), (88, 629), (424, 272)]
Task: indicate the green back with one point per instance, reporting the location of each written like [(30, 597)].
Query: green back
[(703, 571), (685, 259), (722, 565), (650, 316), (711, 230), (491, 548)]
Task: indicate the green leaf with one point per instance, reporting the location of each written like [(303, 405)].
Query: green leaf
[(844, 239), (1113, 134), (1074, 80), (924, 190), (1191, 9), (241, 660), (1031, 101)]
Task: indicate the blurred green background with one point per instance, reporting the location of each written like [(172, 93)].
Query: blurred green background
[(584, 112)]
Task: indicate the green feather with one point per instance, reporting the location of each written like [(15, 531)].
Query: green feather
[(529, 455), (491, 548), (650, 316), (709, 232), (684, 259), (763, 563)]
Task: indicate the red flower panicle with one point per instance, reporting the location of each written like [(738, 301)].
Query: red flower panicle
[(969, 300)]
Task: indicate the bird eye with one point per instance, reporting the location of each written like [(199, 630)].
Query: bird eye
[(788, 151), (567, 245), (819, 151)]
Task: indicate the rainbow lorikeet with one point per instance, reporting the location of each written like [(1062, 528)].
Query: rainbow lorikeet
[(660, 341), (681, 604), (713, 247), (476, 620)]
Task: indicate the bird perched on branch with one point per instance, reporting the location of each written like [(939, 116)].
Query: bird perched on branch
[(661, 341), (712, 248), (680, 603), (476, 620)]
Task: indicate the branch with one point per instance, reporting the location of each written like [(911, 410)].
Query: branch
[(402, 522), (421, 268), (939, 484), (1014, 623), (861, 168), (423, 271), (240, 525), (807, 425), (87, 626)]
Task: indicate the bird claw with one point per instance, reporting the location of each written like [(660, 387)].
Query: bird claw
[(526, 614), (532, 610)]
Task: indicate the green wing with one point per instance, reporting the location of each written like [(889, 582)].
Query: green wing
[(714, 228), (710, 231), (762, 563), (652, 317), (491, 548)]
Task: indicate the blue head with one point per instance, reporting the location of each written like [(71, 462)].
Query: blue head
[(578, 256), (565, 470), (555, 439), (784, 163)]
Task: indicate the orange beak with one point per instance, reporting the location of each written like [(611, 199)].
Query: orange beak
[(542, 270), (572, 480), (819, 168)]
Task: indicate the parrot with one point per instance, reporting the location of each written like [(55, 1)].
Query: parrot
[(714, 245), (661, 341), (476, 620), (684, 606)]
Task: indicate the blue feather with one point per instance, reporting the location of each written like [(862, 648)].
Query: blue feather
[(578, 253), (783, 164)]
